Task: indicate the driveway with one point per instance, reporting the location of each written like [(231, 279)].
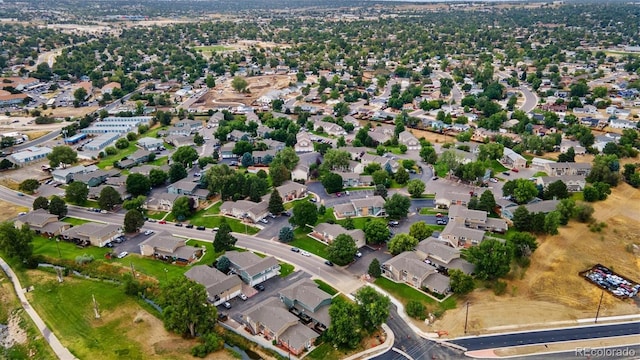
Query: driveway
[(361, 266), (132, 244), (272, 229)]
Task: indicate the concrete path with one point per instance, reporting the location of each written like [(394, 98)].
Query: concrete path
[(62, 352)]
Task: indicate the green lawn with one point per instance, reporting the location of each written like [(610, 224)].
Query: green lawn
[(209, 254), (540, 173), (395, 185), (108, 161), (577, 196), (497, 167), (328, 215), (327, 351), (360, 188), (46, 247), (405, 293), (75, 221), (286, 269), (215, 209), (325, 287), (431, 211), (302, 241), (291, 204), (156, 214), (153, 133), (357, 222), (159, 161), (214, 221), (428, 196), (212, 48)]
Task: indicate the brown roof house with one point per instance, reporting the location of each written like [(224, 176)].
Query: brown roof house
[(460, 236), (245, 209), (476, 219), (407, 267), (304, 297), (441, 255), (94, 233), (42, 222), (291, 190), (271, 319), (220, 287), (168, 247), (326, 233), (406, 138), (370, 206), (251, 268)]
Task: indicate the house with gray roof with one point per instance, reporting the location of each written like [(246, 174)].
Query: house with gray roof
[(369, 206), (192, 125), (326, 233), (93, 233), (150, 144), (305, 296), (30, 155), (187, 188), (64, 176), (180, 140), (573, 182), (407, 267), (251, 268), (245, 209), (441, 255), (460, 236), (536, 205), (94, 192), (567, 168), (292, 190), (512, 159), (220, 286), (411, 142), (42, 222), (165, 246), (164, 201)]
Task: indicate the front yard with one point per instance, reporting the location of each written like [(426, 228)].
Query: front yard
[(406, 293)]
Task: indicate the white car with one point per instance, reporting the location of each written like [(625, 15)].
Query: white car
[(304, 253), (243, 296), (148, 232), (264, 221), (122, 254)]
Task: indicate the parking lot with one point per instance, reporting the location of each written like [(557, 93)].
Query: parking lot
[(131, 244), (361, 266), (272, 229)]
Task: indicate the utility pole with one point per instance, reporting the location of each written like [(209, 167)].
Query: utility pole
[(599, 304), (58, 247), (466, 318)]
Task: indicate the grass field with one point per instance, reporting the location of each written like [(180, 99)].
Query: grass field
[(497, 167), (286, 269), (325, 287), (357, 222), (214, 221), (302, 241), (108, 161), (10, 211), (75, 221), (405, 293), (159, 161), (212, 48), (540, 173)]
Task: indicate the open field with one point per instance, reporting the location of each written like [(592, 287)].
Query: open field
[(9, 210), (224, 95), (551, 289)]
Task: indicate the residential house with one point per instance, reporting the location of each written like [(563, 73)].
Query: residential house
[(567, 168), (328, 232), (291, 190), (165, 246), (262, 131), (274, 144), (512, 159), (534, 206), (351, 179), (271, 320), (251, 268), (108, 88), (244, 209), (356, 152), (381, 134), (150, 144), (94, 192), (146, 169), (370, 206), (476, 219), (29, 155), (187, 188), (94, 178), (442, 256), (180, 140), (176, 131), (304, 297), (237, 135), (540, 163), (411, 142), (216, 118), (464, 157), (445, 199), (220, 287), (300, 172), (192, 125), (65, 176), (330, 128), (42, 222), (408, 268), (367, 159), (259, 156), (578, 149), (303, 143), (164, 201), (93, 233), (573, 182), (623, 124), (226, 151), (460, 236)]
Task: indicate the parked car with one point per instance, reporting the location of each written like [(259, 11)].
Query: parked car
[(493, 180), (438, 215), (201, 228), (313, 199), (358, 254), (189, 226), (338, 194), (162, 222), (506, 173), (295, 249), (258, 287), (393, 223), (148, 232), (272, 216), (264, 221), (226, 304), (103, 211), (434, 178), (515, 170), (178, 224), (243, 297), (215, 229), (304, 253), (122, 254), (328, 263), (222, 317), (286, 213)]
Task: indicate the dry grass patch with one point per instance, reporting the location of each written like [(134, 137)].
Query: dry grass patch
[(9, 210)]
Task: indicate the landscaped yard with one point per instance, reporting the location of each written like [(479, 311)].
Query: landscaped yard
[(108, 161), (325, 287), (405, 293), (75, 221), (286, 269), (577, 196), (358, 222), (211, 222), (302, 241), (291, 204), (540, 173), (497, 167), (156, 214), (159, 161)]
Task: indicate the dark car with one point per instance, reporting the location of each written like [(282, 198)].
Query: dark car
[(202, 228), (179, 224), (259, 287), (189, 226), (295, 249), (328, 263), (222, 317), (393, 223), (506, 173)]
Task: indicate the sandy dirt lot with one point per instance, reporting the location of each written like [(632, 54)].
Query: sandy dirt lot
[(224, 95), (9, 211), (551, 289)]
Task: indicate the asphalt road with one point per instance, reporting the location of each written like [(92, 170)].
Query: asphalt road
[(548, 336), (43, 139), (530, 99)]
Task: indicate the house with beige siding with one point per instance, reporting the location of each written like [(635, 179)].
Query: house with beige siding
[(220, 287)]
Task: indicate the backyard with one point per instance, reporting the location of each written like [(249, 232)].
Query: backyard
[(406, 293)]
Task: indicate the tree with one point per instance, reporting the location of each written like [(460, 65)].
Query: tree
[(109, 198), (287, 157), (521, 219), (380, 190), (566, 209), (286, 234), (176, 172), (381, 177), (198, 139), (523, 244), (275, 203), (342, 249), (332, 182), (415, 187), (345, 328), (373, 306), (522, 190), (157, 177), (185, 155), (138, 184), (397, 206), (374, 268), (335, 159), (224, 241), (41, 202), (551, 222), (122, 143), (210, 342), (347, 224), (77, 193), (62, 155), (16, 243), (416, 309), (401, 243), (239, 84), (420, 230), (223, 264), (57, 206), (210, 81), (428, 154), (492, 259), (279, 173), (134, 203), (557, 189), (183, 208), (487, 201), (490, 151), (29, 185), (133, 221), (186, 310), (80, 94), (590, 194), (584, 212), (402, 176), (376, 231), (304, 213), (460, 282)]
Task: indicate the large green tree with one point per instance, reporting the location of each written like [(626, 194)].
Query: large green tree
[(29, 185), (57, 206), (185, 155), (523, 244), (402, 242), (397, 206), (557, 190), (345, 329), (62, 155), (186, 309), (239, 84), (287, 157), (16, 243), (157, 177), (177, 172), (275, 203), (183, 208), (135, 203), (109, 198), (342, 249), (415, 187), (460, 282), (133, 221), (376, 231), (278, 173), (420, 230), (335, 159), (224, 241), (41, 202), (77, 193), (492, 259), (138, 184), (522, 190), (487, 201), (373, 306), (304, 213), (332, 182), (374, 268)]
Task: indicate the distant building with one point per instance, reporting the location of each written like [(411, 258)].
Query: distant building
[(30, 155)]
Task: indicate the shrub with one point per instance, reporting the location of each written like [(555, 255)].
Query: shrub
[(416, 310), (499, 288), (84, 259)]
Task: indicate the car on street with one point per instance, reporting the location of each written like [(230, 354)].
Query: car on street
[(189, 226), (515, 170), (338, 194), (103, 211), (304, 253), (222, 316), (506, 173), (148, 232), (162, 222), (493, 180), (258, 287), (20, 194), (393, 223), (122, 254), (178, 224), (438, 215), (201, 228), (313, 199), (328, 263), (243, 296), (442, 221), (434, 178), (271, 216), (295, 249), (264, 221), (215, 229), (286, 213), (226, 304)]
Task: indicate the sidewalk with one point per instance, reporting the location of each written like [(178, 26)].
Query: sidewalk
[(62, 352)]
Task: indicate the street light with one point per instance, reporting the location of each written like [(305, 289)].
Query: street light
[(466, 318), (166, 274), (58, 247)]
